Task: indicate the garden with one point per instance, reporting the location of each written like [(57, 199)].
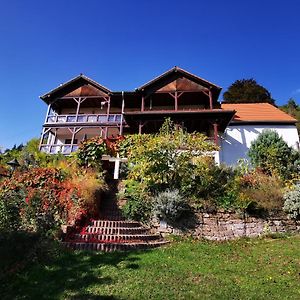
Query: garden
[(168, 176)]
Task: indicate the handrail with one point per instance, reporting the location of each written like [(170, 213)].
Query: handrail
[(85, 118)]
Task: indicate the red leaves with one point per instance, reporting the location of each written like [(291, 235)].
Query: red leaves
[(56, 193)]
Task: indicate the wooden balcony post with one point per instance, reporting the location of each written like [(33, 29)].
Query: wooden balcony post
[(210, 99), (122, 112), (108, 107), (140, 127), (42, 137), (176, 101), (143, 103), (48, 111), (77, 108), (215, 125)]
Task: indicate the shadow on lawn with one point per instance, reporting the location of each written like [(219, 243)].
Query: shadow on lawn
[(68, 275)]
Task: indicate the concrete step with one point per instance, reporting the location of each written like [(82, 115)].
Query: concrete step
[(109, 247), (114, 224), (115, 237), (115, 230)]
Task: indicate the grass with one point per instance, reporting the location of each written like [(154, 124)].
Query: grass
[(186, 269)]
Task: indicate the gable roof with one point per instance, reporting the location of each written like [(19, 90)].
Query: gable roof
[(258, 113), (77, 81), (178, 71)]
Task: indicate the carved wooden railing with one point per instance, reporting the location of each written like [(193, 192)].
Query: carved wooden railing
[(86, 118)]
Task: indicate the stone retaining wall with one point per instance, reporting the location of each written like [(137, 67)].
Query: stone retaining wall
[(226, 226)]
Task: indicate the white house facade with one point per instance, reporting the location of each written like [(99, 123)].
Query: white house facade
[(249, 121)]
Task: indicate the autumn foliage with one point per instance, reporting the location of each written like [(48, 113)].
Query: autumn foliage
[(44, 198)]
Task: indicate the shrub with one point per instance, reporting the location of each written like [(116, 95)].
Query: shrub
[(161, 160), (51, 197), (292, 202), (265, 192), (272, 155), (90, 152), (10, 205), (169, 206), (205, 180), (138, 203), (228, 200)]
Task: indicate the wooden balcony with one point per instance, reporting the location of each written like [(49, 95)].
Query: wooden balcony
[(111, 119), (62, 148)]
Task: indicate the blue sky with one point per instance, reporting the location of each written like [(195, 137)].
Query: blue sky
[(122, 44)]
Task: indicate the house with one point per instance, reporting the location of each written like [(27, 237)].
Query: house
[(248, 122), (82, 108)]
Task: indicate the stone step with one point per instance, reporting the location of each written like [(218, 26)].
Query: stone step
[(114, 237), (109, 247), (114, 224), (116, 230)]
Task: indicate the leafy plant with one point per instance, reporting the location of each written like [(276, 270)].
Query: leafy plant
[(292, 202), (138, 202), (52, 197), (90, 152), (10, 205), (169, 205), (264, 191), (206, 180), (272, 155), (161, 160)]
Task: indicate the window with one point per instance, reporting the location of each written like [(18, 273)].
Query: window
[(68, 141)]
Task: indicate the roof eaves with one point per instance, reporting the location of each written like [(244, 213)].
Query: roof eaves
[(74, 79), (177, 69)]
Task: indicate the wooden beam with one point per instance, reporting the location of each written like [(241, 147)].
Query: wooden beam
[(108, 107), (210, 100), (47, 114), (122, 115), (140, 127), (216, 140), (176, 101), (143, 103)]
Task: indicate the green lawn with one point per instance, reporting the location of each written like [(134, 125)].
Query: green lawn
[(246, 269)]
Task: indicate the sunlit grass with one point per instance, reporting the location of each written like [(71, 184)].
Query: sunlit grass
[(246, 269)]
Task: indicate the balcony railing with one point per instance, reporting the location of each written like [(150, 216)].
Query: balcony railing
[(86, 118), (55, 149)]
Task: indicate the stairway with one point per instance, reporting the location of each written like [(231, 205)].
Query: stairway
[(111, 232)]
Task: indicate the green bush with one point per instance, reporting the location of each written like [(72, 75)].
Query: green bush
[(90, 152), (10, 205), (169, 206), (272, 155), (138, 202), (292, 202), (206, 180), (161, 160)]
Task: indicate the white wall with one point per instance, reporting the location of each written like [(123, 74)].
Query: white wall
[(237, 139)]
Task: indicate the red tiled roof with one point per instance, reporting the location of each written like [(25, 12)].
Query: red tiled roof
[(258, 112)]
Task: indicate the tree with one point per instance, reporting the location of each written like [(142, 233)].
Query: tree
[(247, 91)]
